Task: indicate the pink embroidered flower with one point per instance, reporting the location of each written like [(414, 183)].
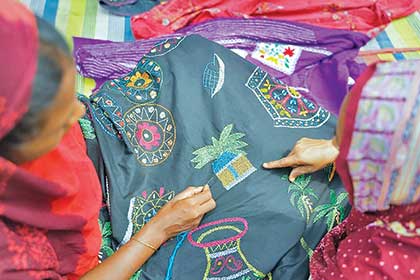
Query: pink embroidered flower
[(148, 135)]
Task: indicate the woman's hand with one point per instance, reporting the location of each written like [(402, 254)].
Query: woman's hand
[(184, 212), (307, 156)]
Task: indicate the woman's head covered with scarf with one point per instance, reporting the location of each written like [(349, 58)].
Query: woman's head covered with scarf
[(37, 103), (47, 230)]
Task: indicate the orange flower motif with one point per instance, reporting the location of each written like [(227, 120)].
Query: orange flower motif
[(140, 80)]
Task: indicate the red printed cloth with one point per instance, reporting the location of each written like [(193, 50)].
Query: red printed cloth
[(358, 15)]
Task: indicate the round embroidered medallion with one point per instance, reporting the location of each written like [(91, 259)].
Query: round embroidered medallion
[(151, 130), (142, 84)]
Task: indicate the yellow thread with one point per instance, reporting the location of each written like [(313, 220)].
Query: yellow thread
[(238, 243)]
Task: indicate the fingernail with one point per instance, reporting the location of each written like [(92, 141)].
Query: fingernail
[(265, 165), (291, 179)]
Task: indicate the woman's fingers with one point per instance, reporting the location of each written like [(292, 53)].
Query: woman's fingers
[(297, 171), (202, 197), (207, 206), (288, 161), (188, 192)]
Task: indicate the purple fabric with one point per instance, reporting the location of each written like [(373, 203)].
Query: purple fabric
[(323, 72)]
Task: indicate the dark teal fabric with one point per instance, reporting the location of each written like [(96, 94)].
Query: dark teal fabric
[(189, 93)]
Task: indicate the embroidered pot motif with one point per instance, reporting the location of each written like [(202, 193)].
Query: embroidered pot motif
[(225, 259), (285, 104), (230, 163)]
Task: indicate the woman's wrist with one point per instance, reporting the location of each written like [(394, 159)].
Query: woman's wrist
[(151, 234)]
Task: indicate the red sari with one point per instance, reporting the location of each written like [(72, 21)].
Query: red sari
[(49, 207)]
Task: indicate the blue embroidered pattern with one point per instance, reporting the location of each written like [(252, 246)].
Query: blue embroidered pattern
[(286, 106), (165, 47), (214, 75), (142, 84)]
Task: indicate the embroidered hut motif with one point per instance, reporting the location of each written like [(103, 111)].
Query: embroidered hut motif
[(143, 208), (142, 84), (165, 47), (230, 163), (285, 104), (214, 75), (225, 259), (151, 131)]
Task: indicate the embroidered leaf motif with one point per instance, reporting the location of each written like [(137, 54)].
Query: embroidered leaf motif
[(333, 211), (301, 195), (227, 142)]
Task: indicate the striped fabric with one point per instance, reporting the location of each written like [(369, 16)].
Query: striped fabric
[(82, 18), (402, 33)]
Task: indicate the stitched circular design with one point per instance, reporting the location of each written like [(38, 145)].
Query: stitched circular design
[(151, 131), (142, 84)]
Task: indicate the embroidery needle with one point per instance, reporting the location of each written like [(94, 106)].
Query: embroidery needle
[(208, 182)]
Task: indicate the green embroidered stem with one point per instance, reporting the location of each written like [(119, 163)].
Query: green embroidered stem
[(87, 129), (333, 211), (301, 195), (306, 247)]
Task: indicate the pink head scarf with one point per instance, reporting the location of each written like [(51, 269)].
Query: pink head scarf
[(18, 58)]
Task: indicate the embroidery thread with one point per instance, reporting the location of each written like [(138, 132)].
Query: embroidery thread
[(281, 57), (230, 163), (151, 131), (278, 56), (301, 195), (143, 208), (333, 211), (142, 84), (165, 47), (225, 259), (285, 104), (214, 76)]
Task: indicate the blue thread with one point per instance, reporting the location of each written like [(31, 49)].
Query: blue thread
[(180, 240), (234, 173)]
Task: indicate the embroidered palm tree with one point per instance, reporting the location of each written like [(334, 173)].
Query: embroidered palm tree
[(333, 211), (227, 142), (229, 161), (301, 195)]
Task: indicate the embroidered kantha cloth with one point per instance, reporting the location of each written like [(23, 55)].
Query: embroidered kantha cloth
[(320, 59), (128, 7), (193, 112)]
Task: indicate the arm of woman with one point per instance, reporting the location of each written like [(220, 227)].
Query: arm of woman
[(307, 156), (184, 212)]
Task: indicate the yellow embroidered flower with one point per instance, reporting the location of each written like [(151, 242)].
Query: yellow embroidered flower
[(140, 80)]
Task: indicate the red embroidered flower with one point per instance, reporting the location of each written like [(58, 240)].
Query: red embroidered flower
[(289, 51), (148, 135)]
